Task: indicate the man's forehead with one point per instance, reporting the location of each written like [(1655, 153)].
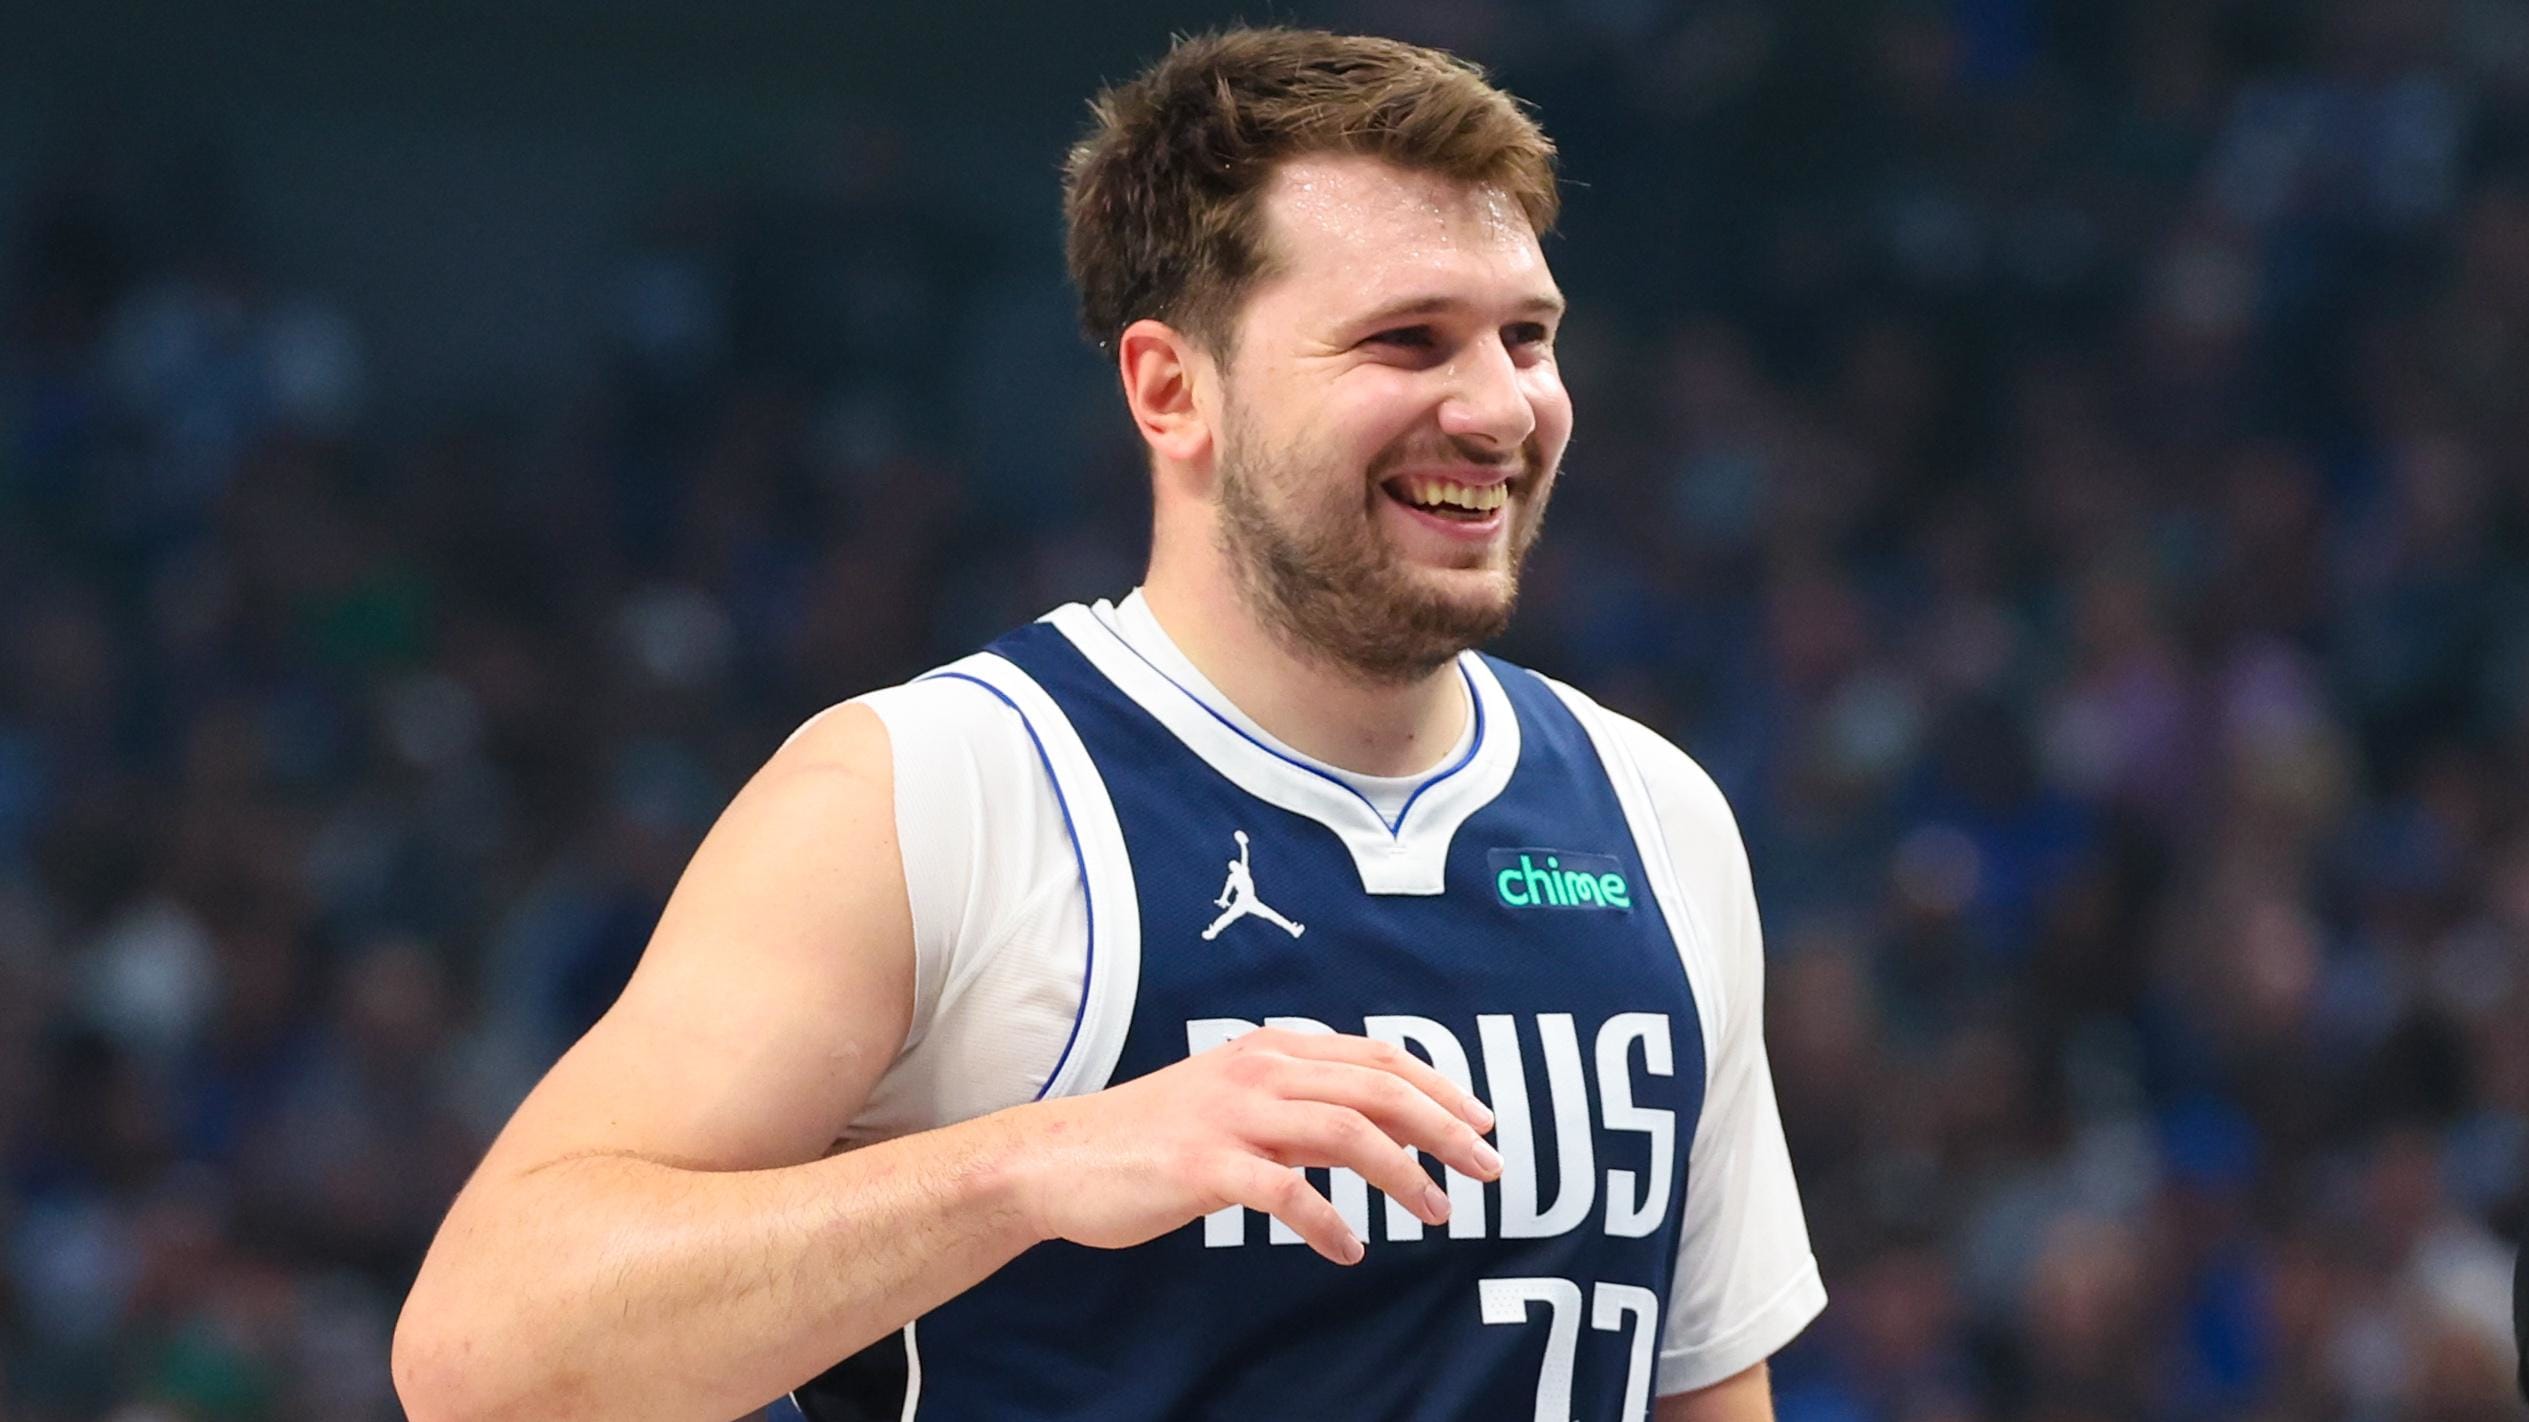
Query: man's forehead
[(1367, 224)]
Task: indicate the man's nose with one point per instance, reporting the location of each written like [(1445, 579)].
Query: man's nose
[(1485, 402)]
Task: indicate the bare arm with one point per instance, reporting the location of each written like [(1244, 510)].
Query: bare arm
[(1748, 1397), (661, 1232), (658, 1209)]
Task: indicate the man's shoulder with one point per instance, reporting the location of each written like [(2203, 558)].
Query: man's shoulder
[(939, 712), (1701, 840), (944, 749), (1682, 792)]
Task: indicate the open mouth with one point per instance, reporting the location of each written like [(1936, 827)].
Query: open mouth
[(1449, 499)]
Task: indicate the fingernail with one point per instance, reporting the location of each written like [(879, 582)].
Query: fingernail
[(1435, 1203), (1352, 1250), (1488, 1157), (1483, 1117)]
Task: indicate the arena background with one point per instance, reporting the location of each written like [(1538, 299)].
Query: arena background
[(2064, 468)]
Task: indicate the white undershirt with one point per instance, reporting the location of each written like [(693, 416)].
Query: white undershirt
[(1000, 950)]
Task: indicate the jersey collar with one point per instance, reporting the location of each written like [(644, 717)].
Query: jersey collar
[(1408, 856)]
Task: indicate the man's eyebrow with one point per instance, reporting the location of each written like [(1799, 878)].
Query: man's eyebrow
[(1546, 303)]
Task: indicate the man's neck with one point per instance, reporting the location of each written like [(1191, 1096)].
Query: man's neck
[(1371, 728)]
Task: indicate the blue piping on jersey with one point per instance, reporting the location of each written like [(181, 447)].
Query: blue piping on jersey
[(1395, 830), (1080, 862)]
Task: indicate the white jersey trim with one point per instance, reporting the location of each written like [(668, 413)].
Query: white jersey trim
[(1409, 857), (1111, 906), (912, 1372)]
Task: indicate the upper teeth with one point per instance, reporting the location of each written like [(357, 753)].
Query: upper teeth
[(1479, 497)]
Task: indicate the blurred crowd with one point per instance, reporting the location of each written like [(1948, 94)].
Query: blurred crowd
[(2064, 468)]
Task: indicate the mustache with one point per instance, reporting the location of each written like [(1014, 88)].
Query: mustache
[(1524, 463)]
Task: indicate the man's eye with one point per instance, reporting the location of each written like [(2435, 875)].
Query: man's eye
[(1410, 337), (1528, 333)]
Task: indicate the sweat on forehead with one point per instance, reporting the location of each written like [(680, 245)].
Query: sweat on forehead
[(1359, 231), (1358, 205)]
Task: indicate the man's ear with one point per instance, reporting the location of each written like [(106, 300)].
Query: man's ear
[(1165, 379)]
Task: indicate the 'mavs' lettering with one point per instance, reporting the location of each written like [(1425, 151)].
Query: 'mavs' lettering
[(1634, 1208)]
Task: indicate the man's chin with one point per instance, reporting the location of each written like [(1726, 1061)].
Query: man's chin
[(1473, 603), (1473, 590)]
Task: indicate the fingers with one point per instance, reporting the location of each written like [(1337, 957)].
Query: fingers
[(1383, 1056), (1396, 1106), (1313, 1133), (1319, 1099), (1285, 1194)]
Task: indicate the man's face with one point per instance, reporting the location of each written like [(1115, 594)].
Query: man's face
[(1392, 415)]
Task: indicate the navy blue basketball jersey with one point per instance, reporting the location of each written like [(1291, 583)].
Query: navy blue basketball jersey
[(1509, 926)]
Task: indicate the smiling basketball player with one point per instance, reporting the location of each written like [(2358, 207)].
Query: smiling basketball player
[(957, 1083)]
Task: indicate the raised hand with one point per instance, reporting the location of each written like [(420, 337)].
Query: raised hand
[(1234, 1126)]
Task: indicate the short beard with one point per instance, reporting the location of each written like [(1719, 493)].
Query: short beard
[(1332, 591)]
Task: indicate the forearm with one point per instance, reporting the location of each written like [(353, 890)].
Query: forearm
[(1747, 1397), (612, 1287)]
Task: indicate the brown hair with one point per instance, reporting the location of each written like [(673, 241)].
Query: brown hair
[(1160, 198)]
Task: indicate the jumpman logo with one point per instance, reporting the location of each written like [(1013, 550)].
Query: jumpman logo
[(1238, 899)]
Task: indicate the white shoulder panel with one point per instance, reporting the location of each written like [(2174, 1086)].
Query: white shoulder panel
[(1111, 911)]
